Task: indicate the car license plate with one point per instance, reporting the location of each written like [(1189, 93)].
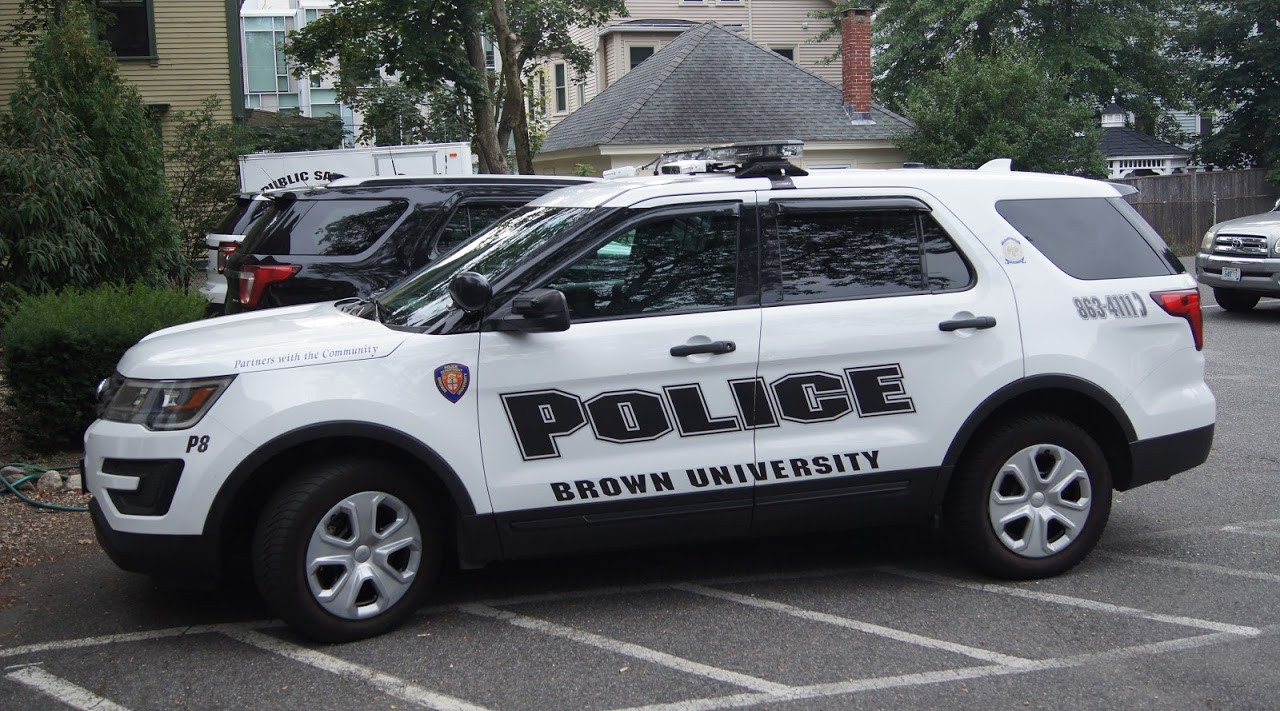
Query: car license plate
[(1230, 274)]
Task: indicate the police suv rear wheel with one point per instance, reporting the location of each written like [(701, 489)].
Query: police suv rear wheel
[(346, 550), (1032, 499)]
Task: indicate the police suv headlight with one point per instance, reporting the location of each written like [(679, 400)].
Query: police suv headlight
[(164, 404), (1206, 244)]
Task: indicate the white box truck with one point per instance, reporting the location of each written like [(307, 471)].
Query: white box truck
[(274, 171)]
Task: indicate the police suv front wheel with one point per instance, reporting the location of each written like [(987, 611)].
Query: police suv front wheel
[(1032, 499), (346, 550)]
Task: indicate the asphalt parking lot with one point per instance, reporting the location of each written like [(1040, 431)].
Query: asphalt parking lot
[(1178, 608)]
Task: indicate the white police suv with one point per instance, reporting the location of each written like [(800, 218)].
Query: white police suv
[(673, 358)]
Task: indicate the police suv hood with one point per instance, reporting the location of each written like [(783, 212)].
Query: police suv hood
[(291, 337), (1268, 223)]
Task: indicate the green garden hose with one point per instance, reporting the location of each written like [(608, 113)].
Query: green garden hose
[(36, 472)]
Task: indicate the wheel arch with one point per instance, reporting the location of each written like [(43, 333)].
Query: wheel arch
[(240, 500), (1078, 400)]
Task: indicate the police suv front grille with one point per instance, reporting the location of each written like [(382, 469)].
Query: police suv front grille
[(1240, 245)]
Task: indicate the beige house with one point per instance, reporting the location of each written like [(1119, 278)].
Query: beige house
[(176, 52), (710, 85), (783, 26)]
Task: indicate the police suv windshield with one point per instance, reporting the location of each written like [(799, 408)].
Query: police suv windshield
[(424, 297)]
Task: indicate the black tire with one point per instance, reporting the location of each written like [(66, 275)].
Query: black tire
[(1236, 301), (974, 503), (285, 532)]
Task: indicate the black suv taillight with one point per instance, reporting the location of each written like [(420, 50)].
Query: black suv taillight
[(1183, 303), (255, 278)]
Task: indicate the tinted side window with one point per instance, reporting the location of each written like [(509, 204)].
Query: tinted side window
[(945, 269), (674, 263), (848, 254), (467, 222), (328, 227), (1087, 238)]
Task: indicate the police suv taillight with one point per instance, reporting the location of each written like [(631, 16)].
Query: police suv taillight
[(255, 278), (1183, 303)]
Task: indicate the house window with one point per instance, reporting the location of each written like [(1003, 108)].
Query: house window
[(788, 52), (561, 89), (128, 29), (639, 54), (265, 67), (490, 54)]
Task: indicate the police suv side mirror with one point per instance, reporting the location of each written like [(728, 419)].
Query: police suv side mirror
[(470, 291), (538, 310)]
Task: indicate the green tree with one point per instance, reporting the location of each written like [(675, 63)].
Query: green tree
[(1238, 43), (72, 92), (430, 44), (203, 171), (979, 108), (1100, 49)]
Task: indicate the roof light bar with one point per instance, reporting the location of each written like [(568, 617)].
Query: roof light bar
[(730, 157)]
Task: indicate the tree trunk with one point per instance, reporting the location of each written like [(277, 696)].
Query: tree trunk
[(492, 157), (514, 116)]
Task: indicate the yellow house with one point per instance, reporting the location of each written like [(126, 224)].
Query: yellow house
[(177, 52)]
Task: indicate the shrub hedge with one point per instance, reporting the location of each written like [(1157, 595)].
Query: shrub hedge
[(58, 346)]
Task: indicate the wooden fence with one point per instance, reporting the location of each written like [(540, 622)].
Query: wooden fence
[(1182, 207)]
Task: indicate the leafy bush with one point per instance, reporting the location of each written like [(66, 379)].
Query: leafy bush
[(58, 346)]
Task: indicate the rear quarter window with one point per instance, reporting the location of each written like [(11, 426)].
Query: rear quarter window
[(239, 217), (1091, 238), (327, 227)]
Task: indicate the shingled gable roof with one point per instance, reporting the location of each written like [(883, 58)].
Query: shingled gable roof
[(1128, 143), (711, 86)]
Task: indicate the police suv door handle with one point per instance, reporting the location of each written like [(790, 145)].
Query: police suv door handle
[(978, 322), (714, 348)]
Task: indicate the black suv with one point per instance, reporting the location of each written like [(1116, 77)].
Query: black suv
[(359, 235)]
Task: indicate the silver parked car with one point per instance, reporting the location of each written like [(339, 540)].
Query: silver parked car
[(1240, 259)]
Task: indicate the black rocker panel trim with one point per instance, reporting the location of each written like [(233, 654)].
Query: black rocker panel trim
[(896, 497), (616, 525)]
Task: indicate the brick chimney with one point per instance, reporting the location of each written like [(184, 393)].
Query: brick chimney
[(855, 56)]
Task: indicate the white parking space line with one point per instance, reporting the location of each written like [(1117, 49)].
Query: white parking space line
[(1274, 535), (109, 639), (1080, 602), (635, 651), (1198, 567), (77, 697), (387, 684), (854, 686), (866, 627)]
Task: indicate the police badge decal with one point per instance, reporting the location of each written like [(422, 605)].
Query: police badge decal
[(452, 380)]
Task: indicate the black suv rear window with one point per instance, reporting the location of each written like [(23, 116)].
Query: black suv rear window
[(327, 227), (238, 218), (1090, 238)]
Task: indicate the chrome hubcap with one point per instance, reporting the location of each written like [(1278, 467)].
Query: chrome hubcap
[(1040, 500), (363, 555)]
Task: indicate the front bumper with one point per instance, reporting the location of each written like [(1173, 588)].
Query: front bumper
[(192, 561), (1159, 458), (1260, 276)]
